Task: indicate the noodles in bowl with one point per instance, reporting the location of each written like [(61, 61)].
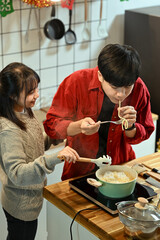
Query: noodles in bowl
[(115, 177), (117, 181)]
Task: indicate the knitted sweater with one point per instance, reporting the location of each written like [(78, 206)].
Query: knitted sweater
[(23, 167)]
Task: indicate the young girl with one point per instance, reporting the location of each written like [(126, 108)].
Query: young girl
[(23, 164)]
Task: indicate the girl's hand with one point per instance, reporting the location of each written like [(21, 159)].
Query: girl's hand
[(68, 154), (89, 126), (129, 113)]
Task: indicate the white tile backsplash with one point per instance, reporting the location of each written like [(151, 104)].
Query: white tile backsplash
[(64, 71), (0, 46), (7, 59), (11, 22), (93, 63), (80, 9), (82, 52), (1, 64), (66, 55), (31, 59), (33, 41), (11, 43), (49, 57), (47, 96), (82, 65), (96, 47), (63, 15), (29, 19), (48, 77), (16, 4), (79, 31), (53, 59), (46, 42)]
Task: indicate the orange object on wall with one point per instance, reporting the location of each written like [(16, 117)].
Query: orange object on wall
[(39, 3)]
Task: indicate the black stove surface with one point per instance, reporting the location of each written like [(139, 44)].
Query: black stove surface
[(81, 186)]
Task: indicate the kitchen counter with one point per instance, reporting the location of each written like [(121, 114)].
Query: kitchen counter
[(99, 222)]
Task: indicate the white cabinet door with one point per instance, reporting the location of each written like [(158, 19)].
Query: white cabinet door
[(146, 147)]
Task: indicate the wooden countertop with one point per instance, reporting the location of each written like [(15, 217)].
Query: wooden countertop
[(99, 222)]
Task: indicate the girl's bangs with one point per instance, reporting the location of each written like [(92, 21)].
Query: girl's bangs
[(31, 84)]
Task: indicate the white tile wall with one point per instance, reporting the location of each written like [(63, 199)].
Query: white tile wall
[(6, 59), (64, 71), (53, 59), (48, 57), (11, 22), (48, 77), (11, 42), (31, 59)]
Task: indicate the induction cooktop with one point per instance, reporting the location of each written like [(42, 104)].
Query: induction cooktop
[(92, 193)]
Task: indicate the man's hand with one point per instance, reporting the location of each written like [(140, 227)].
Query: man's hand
[(89, 126), (129, 113)]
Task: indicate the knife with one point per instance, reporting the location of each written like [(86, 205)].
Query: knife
[(141, 170), (150, 180), (152, 169)]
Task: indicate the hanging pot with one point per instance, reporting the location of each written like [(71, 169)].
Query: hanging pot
[(54, 29)]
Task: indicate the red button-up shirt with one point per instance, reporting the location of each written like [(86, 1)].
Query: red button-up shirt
[(80, 95)]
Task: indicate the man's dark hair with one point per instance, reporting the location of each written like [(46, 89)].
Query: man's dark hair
[(119, 64)]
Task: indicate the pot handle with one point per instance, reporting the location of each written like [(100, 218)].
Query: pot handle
[(53, 12), (94, 182)]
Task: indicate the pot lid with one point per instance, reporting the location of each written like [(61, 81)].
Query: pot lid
[(140, 210)]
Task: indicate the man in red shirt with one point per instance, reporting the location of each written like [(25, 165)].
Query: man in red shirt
[(89, 96)]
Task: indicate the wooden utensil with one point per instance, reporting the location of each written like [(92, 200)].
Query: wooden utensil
[(101, 161)]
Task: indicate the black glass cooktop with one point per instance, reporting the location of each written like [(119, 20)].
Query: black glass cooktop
[(81, 186)]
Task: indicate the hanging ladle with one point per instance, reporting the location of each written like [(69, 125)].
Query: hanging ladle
[(102, 32), (85, 32), (70, 36)]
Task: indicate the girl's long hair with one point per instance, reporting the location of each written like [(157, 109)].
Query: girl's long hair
[(13, 79)]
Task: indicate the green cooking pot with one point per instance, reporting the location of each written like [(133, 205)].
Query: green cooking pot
[(114, 190)]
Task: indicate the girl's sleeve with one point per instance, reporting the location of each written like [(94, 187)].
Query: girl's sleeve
[(15, 165)]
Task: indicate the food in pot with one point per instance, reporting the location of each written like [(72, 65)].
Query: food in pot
[(115, 177), (116, 190)]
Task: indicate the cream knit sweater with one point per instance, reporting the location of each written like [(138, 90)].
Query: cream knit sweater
[(23, 167)]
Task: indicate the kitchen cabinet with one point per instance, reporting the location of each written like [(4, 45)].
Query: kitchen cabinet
[(148, 146), (141, 31)]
